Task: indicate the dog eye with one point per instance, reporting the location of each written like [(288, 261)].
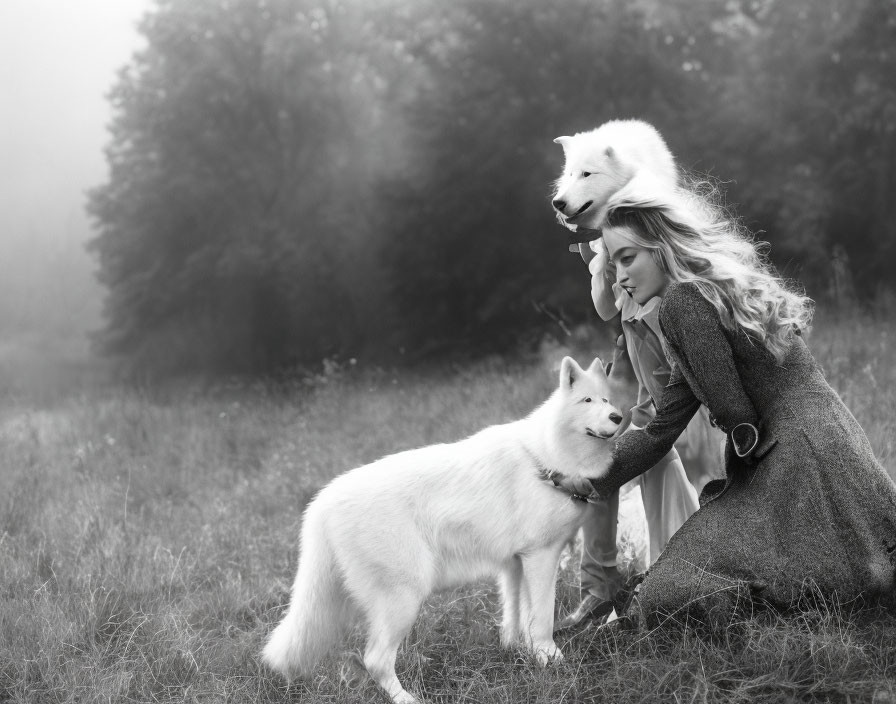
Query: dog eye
[(586, 174), (605, 400), (587, 399)]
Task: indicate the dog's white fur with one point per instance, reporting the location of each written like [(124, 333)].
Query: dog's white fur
[(601, 163), (379, 539)]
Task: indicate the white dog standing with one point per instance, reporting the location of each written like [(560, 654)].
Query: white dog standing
[(379, 539)]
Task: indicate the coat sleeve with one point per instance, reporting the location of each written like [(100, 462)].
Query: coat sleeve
[(700, 346), (639, 450), (702, 360)]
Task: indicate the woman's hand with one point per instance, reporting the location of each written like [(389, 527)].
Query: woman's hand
[(602, 273), (597, 262), (579, 487), (586, 252)]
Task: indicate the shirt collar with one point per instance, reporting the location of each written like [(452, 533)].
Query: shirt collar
[(648, 314)]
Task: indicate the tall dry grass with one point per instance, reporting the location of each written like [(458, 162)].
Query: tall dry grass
[(148, 540)]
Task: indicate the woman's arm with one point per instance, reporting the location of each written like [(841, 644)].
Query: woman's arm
[(637, 451), (703, 360), (699, 344)]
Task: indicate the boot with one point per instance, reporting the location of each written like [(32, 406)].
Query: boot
[(598, 601)]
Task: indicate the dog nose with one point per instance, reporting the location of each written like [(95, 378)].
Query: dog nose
[(559, 204), (616, 418)]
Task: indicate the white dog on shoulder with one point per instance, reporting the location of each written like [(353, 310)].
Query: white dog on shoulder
[(605, 162)]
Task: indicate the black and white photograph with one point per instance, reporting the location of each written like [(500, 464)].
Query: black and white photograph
[(448, 351)]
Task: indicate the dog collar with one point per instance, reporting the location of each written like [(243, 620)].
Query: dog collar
[(549, 475), (543, 471)]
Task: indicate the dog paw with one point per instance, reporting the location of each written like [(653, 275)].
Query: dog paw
[(545, 654), (510, 639), (405, 698)]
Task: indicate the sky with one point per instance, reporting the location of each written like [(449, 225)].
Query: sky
[(58, 60)]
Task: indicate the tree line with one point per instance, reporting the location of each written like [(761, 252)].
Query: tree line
[(296, 179)]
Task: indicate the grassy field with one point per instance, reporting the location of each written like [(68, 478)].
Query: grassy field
[(148, 540)]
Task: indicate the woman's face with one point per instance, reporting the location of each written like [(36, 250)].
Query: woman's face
[(636, 271)]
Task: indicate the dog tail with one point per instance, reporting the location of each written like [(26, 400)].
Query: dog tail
[(314, 620)]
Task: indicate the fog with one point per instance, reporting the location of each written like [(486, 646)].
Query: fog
[(346, 161), (58, 59)]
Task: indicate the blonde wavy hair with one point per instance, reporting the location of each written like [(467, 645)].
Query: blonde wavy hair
[(692, 238)]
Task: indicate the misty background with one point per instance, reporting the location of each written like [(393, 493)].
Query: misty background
[(287, 181), (58, 61)]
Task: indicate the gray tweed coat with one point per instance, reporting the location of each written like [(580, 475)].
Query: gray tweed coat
[(810, 510)]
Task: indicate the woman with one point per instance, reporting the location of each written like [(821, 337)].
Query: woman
[(804, 505), (667, 494)]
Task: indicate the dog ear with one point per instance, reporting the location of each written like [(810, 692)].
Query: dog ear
[(563, 142), (597, 367), (570, 371)]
